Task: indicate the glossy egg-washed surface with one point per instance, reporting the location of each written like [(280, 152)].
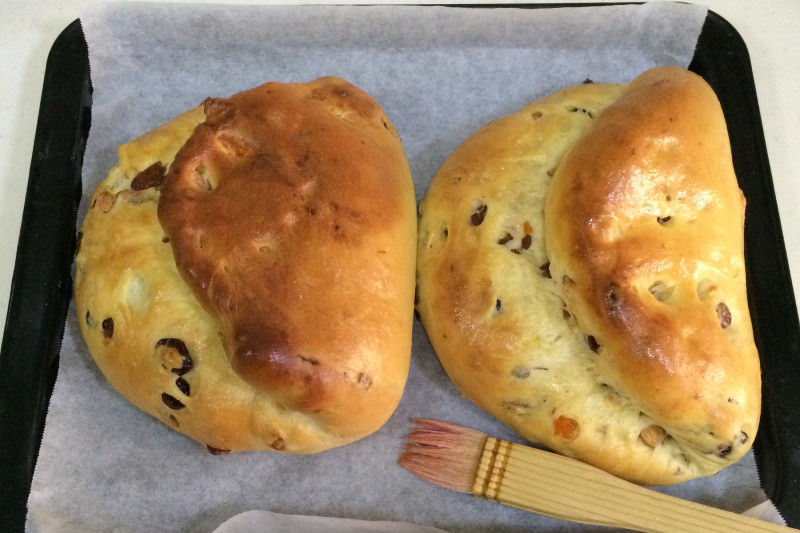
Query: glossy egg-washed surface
[(581, 277), (246, 272)]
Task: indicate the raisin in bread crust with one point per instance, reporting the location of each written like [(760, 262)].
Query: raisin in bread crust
[(171, 337), (518, 311)]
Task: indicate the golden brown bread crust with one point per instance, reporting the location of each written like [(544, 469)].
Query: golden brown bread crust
[(286, 287), (566, 295), (652, 261)]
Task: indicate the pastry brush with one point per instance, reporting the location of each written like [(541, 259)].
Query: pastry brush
[(462, 459)]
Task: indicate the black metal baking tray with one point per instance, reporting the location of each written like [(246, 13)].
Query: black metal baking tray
[(722, 59), (41, 287)]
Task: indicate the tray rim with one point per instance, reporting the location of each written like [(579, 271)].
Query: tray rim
[(777, 447), (39, 300)]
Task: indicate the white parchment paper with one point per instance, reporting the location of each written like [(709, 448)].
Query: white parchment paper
[(440, 73)]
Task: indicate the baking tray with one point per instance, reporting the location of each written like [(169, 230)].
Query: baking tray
[(41, 287)]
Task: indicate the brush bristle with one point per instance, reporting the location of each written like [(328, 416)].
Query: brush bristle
[(444, 454)]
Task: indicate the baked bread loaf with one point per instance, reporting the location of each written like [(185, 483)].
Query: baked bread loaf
[(581, 277), (246, 272)]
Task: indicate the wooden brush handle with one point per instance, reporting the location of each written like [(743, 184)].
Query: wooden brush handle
[(553, 485)]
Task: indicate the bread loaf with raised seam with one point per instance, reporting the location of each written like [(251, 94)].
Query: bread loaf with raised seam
[(581, 277), (246, 272)]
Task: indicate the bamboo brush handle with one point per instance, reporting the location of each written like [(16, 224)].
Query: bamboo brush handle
[(564, 488)]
